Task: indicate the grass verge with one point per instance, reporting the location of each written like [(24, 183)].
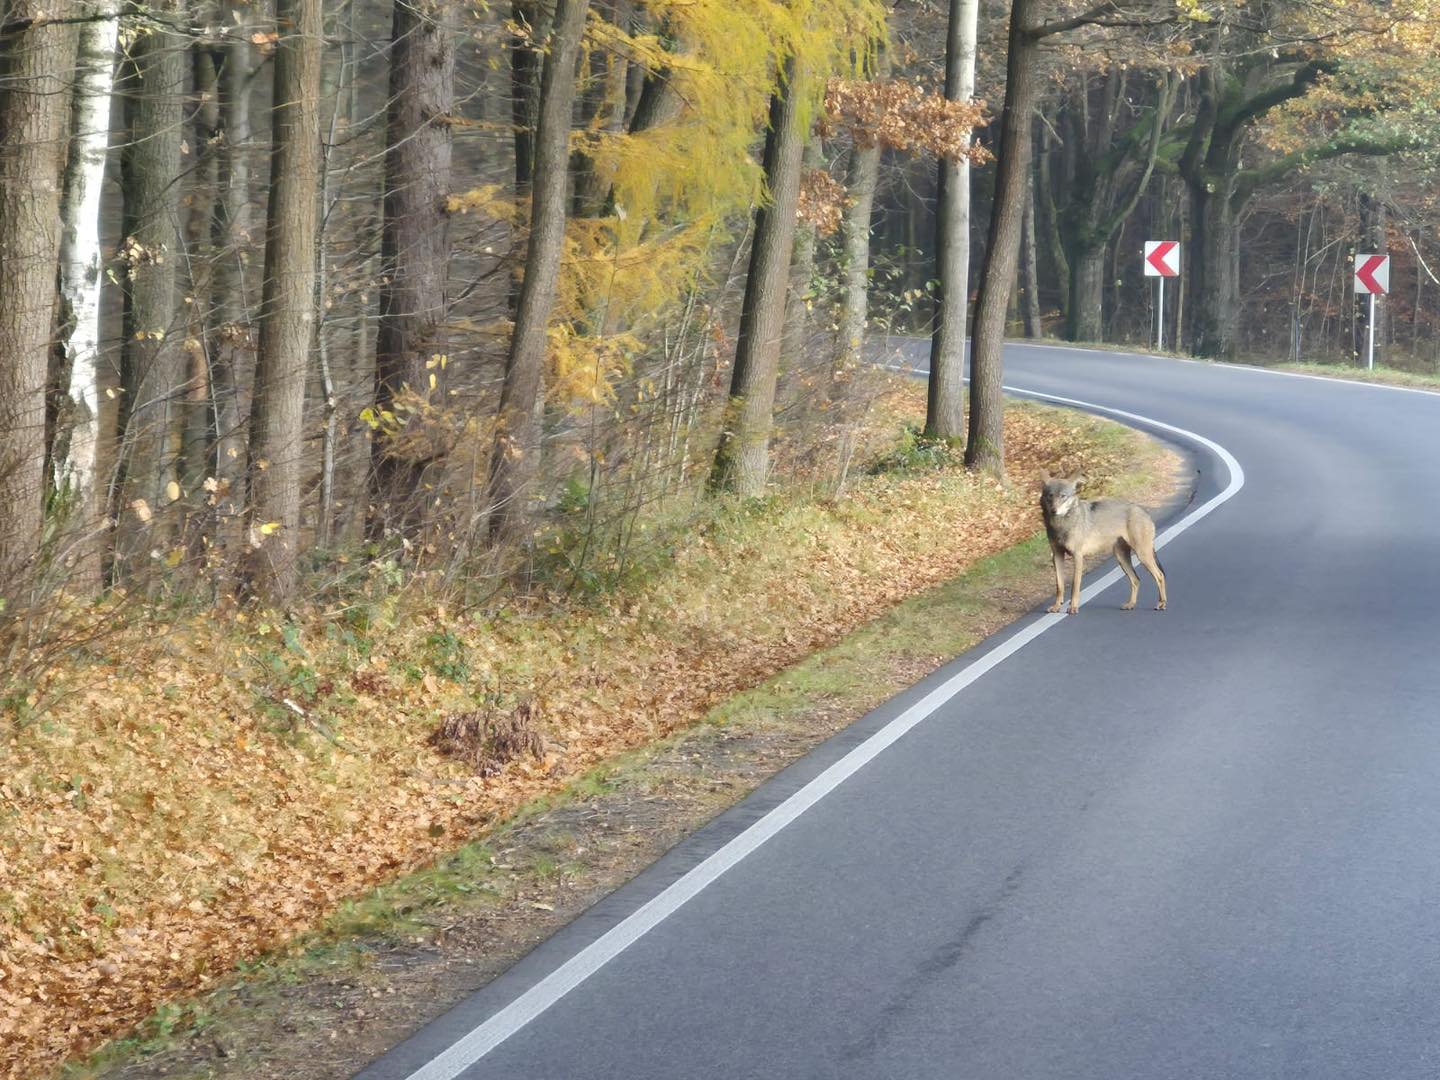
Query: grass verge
[(1386, 376)]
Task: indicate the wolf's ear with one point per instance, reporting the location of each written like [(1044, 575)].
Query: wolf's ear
[(1044, 476), (1079, 479)]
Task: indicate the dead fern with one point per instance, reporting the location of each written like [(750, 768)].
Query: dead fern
[(487, 739)]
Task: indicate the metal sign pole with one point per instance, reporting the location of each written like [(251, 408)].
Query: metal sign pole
[(1370, 337), (1160, 321)]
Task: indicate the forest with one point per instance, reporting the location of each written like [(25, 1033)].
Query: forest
[(318, 315), (423, 284)]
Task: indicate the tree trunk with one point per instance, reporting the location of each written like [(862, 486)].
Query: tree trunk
[(1111, 169), (80, 277), (802, 270), (35, 65), (152, 363), (604, 112), (1087, 295), (288, 305), (945, 407), (985, 447), (743, 455), (1030, 269), (524, 87), (1050, 224), (1216, 293), (197, 444), (861, 181), (414, 253), (515, 459), (198, 431), (229, 339)]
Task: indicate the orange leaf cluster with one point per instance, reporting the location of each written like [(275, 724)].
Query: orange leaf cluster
[(822, 202), (902, 115)]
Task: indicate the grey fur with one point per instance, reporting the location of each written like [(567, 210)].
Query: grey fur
[(1079, 527)]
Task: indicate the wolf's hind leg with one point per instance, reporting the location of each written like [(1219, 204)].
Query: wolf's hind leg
[(1151, 563), (1122, 556)]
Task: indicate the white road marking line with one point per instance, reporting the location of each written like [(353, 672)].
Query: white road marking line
[(470, 1048)]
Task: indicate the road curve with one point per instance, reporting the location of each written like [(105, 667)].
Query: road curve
[(1198, 843)]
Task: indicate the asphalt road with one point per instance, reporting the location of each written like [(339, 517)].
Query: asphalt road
[(1203, 843)]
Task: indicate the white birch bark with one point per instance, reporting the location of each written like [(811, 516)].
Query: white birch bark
[(80, 257)]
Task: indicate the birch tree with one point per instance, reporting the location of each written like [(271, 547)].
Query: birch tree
[(80, 266), (944, 414)]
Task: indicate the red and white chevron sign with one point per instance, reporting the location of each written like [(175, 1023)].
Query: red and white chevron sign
[(1162, 258), (1372, 274)]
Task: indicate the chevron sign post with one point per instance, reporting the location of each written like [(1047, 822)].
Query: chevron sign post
[(1162, 260), (1372, 275)]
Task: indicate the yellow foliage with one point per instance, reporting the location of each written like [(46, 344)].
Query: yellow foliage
[(491, 200), (582, 368), (677, 187)]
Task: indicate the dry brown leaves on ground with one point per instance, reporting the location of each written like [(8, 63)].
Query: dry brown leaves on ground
[(206, 792)]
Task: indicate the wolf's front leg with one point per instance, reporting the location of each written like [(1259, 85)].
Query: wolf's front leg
[(1059, 558), (1075, 584)]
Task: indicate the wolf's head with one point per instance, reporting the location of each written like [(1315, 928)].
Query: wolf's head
[(1058, 495)]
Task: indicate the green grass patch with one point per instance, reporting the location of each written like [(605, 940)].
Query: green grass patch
[(1386, 376)]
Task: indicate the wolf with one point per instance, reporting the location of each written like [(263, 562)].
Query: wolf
[(1079, 527)]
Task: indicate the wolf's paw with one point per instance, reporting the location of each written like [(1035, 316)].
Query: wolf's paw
[(1053, 608), (1074, 609), (1160, 606), (1129, 605)]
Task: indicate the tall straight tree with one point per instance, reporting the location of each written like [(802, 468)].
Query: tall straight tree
[(985, 443), (152, 365), (197, 441), (802, 267), (80, 265), (228, 335), (1030, 265), (35, 66), (515, 459), (743, 456), (287, 311), (985, 446), (862, 177), (526, 16), (945, 406), (414, 246), (80, 277)]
